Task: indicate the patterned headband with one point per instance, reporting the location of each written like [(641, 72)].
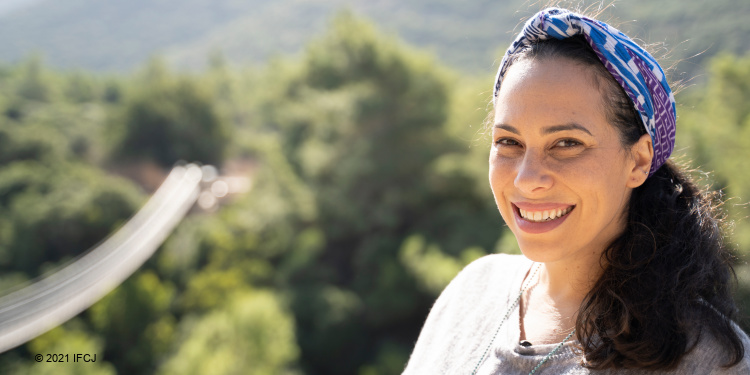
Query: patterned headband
[(632, 67)]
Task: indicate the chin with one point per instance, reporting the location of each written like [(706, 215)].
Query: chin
[(540, 252)]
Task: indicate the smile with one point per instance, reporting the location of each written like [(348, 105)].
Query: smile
[(546, 215), (540, 218)]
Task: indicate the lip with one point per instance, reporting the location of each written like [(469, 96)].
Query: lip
[(536, 228)]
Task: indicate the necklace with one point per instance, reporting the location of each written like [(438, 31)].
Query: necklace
[(505, 318)]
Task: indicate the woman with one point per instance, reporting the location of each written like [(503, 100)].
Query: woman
[(623, 267)]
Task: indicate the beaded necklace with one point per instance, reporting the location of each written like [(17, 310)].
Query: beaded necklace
[(505, 318)]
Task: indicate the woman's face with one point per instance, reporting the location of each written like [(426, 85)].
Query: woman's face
[(560, 176)]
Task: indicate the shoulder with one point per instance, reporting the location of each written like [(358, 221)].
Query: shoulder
[(708, 357), (477, 292), (489, 276), (466, 308)]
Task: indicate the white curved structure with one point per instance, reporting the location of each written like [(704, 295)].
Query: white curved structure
[(52, 300)]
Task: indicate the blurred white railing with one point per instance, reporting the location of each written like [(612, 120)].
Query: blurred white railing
[(50, 301)]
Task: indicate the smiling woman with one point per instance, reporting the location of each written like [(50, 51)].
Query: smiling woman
[(623, 269)]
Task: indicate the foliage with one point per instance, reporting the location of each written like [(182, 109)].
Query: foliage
[(363, 123), (68, 340), (250, 334), (137, 322), (368, 163), (57, 212), (718, 135), (171, 120)]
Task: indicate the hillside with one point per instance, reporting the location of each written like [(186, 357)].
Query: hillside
[(7, 6), (118, 36), (110, 35)]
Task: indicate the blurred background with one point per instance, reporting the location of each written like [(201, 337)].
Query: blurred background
[(356, 127)]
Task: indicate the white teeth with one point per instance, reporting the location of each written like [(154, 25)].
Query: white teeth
[(540, 216)]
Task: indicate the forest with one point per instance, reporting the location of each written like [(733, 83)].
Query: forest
[(368, 162)]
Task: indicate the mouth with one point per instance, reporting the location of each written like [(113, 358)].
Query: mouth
[(542, 216), (536, 219)]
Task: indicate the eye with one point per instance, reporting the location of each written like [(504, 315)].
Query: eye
[(510, 142), (568, 143)]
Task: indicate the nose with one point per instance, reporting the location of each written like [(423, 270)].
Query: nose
[(532, 175)]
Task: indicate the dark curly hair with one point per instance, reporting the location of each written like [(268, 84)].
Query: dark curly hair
[(668, 276)]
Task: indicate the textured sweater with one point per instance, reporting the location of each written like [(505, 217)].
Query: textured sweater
[(466, 315)]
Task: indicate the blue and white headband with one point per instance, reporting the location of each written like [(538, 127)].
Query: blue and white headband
[(632, 67)]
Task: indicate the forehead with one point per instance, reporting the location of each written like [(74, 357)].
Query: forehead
[(549, 92)]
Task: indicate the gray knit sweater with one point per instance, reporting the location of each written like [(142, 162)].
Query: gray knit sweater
[(466, 315)]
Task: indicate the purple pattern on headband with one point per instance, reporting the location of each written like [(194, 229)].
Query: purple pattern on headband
[(664, 123)]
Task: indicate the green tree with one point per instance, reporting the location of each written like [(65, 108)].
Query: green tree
[(58, 212), (365, 125), (35, 83), (717, 135), (67, 340), (137, 323), (250, 334), (171, 119)]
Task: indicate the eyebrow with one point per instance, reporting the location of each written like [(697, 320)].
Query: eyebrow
[(547, 130)]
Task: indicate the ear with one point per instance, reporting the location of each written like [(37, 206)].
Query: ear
[(642, 153)]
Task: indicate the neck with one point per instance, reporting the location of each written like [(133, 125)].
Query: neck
[(564, 283), (550, 307)]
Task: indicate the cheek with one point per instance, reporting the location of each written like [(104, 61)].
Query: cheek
[(501, 179), (593, 168), (501, 173), (604, 181)]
